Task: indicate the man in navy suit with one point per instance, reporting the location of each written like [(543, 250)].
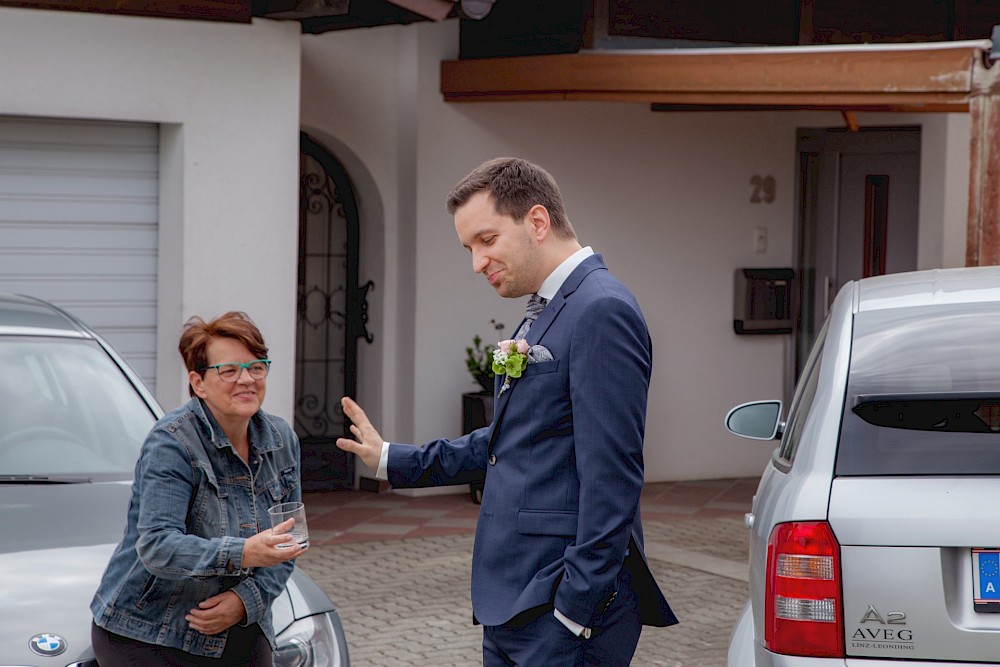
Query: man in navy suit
[(559, 577)]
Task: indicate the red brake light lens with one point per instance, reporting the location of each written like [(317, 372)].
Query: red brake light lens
[(804, 611)]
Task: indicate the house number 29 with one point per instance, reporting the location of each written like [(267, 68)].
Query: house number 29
[(763, 189)]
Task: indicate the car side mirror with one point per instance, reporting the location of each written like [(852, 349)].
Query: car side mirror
[(759, 420)]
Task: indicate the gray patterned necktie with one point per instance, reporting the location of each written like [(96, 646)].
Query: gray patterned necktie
[(536, 305)]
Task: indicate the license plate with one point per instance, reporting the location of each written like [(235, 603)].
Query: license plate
[(986, 580)]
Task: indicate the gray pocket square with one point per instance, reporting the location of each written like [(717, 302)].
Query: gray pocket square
[(538, 353)]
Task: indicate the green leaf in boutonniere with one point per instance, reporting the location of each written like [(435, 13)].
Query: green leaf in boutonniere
[(510, 358)]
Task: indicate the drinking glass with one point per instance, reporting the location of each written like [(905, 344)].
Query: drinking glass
[(298, 530)]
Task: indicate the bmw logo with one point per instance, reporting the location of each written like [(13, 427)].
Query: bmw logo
[(47, 644)]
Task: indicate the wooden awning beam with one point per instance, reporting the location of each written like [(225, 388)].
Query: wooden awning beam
[(238, 11), (748, 102), (919, 77), (940, 77)]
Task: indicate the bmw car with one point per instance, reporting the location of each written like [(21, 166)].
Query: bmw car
[(875, 529), (73, 417)]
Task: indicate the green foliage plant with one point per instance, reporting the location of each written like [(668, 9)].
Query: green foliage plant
[(479, 360)]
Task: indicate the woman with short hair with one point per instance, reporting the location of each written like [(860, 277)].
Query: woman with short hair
[(196, 571)]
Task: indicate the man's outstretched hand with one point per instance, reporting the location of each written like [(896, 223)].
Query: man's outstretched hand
[(368, 445)]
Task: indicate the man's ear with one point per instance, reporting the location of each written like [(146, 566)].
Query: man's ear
[(197, 383), (538, 218)]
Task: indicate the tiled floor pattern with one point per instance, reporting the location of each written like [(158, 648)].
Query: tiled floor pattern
[(340, 517)]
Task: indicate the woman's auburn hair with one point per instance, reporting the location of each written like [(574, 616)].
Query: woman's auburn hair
[(198, 334)]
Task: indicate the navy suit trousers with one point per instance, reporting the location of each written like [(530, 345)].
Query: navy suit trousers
[(537, 638)]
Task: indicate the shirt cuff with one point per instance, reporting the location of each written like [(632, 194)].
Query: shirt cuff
[(571, 625), (383, 463)]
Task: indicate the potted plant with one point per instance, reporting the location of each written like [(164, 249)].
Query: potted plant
[(477, 406)]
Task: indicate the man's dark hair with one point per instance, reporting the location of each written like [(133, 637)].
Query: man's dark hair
[(515, 185)]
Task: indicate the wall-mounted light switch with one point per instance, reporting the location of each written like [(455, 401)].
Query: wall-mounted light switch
[(760, 239)]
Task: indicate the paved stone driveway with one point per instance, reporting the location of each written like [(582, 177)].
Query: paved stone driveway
[(406, 602)]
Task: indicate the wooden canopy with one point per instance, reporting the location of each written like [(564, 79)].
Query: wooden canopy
[(925, 77)]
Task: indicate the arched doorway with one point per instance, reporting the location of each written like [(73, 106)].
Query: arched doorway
[(332, 315)]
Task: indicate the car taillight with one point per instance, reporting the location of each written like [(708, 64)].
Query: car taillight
[(804, 612)]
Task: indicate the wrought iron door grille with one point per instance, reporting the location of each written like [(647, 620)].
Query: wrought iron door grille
[(332, 315)]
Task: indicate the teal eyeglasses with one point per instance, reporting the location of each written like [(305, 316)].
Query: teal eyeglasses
[(231, 372)]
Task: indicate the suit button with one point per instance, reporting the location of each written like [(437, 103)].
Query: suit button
[(493, 459)]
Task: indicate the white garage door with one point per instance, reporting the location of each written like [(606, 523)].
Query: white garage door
[(78, 225)]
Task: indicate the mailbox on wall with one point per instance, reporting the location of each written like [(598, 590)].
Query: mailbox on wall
[(763, 303)]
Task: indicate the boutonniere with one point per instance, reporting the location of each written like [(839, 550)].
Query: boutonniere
[(510, 358)]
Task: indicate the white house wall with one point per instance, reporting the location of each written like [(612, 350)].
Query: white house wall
[(357, 100), (944, 188), (227, 99), (664, 196)]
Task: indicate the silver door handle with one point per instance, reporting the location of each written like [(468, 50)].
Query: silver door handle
[(748, 520)]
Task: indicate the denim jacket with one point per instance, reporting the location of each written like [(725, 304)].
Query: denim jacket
[(194, 503)]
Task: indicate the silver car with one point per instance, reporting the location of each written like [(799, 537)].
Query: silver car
[(875, 530), (72, 420)]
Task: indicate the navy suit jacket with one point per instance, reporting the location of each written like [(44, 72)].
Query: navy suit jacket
[(562, 461)]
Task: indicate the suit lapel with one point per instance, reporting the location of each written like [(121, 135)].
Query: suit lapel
[(572, 282), (542, 324)]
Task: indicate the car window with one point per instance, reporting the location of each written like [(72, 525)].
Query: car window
[(923, 394), (802, 402), (66, 408)]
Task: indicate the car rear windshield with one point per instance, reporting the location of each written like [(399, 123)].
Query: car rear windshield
[(923, 393)]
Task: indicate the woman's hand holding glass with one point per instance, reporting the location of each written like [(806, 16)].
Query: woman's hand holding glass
[(262, 549)]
